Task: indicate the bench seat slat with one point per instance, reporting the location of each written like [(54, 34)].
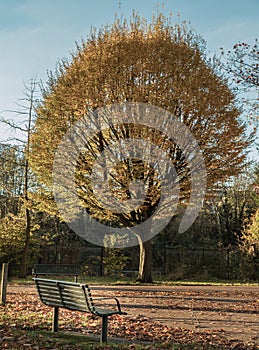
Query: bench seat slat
[(48, 284), (69, 286), (67, 299), (52, 295), (54, 290), (78, 307), (52, 303), (49, 291), (51, 288), (72, 292)]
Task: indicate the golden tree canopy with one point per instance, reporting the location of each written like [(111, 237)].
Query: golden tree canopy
[(160, 64)]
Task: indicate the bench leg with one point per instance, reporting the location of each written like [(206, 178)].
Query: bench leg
[(55, 319), (104, 329)]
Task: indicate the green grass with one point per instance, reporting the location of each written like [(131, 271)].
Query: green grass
[(163, 280), (16, 280), (44, 339), (48, 340), (208, 282), (124, 280)]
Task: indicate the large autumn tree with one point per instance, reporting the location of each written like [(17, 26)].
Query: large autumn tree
[(158, 64)]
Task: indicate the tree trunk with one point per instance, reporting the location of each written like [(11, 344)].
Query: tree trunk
[(25, 252), (26, 249), (145, 261)]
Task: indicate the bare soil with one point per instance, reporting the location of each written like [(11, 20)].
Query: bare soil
[(233, 310)]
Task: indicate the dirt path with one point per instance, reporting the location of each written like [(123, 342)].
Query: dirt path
[(232, 310)]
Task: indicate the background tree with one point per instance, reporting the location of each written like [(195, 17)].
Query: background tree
[(11, 188), (160, 64), (252, 229), (26, 111), (235, 205), (250, 246), (11, 178), (242, 64), (223, 218), (252, 234)]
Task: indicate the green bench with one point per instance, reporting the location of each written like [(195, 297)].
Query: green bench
[(76, 297), (57, 270)]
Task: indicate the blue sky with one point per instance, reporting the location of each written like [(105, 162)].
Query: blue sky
[(34, 34)]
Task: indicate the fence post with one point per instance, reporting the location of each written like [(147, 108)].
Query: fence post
[(4, 283)]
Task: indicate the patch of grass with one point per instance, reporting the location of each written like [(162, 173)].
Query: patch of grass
[(16, 280), (48, 340), (131, 280), (61, 340), (106, 280), (207, 283)]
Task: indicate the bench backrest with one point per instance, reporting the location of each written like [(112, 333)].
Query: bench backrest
[(54, 269), (73, 296)]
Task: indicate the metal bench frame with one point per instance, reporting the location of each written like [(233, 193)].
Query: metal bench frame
[(77, 297)]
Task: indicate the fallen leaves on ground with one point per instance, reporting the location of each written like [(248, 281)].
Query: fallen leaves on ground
[(25, 312)]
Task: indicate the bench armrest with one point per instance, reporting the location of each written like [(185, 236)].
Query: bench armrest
[(110, 298)]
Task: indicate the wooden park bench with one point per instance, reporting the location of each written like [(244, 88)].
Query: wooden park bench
[(77, 297), (57, 270)]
